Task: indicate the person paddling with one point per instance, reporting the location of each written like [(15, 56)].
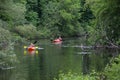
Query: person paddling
[(32, 45), (60, 38)]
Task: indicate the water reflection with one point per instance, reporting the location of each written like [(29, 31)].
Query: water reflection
[(33, 52), (85, 63), (54, 58)]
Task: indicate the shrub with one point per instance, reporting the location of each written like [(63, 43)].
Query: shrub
[(45, 33), (74, 76), (112, 71), (7, 56), (5, 38), (27, 31)]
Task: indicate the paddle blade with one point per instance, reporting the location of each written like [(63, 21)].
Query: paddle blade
[(35, 42), (25, 46), (36, 47), (36, 52), (25, 52)]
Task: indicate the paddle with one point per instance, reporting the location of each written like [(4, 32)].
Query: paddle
[(37, 47), (35, 42), (32, 43)]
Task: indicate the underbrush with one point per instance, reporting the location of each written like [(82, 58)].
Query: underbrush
[(7, 56), (27, 31), (74, 76), (112, 70)]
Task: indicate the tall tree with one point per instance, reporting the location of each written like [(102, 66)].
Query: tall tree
[(86, 14), (10, 11), (32, 11), (107, 20), (69, 15), (50, 16)]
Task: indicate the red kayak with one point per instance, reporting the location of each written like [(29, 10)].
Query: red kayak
[(31, 48), (58, 40)]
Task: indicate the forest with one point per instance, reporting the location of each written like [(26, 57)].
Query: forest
[(35, 19)]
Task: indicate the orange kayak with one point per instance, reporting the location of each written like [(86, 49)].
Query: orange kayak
[(31, 48)]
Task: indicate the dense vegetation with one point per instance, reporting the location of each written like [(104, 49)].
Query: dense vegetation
[(63, 17), (34, 19), (106, 24), (95, 18), (7, 58), (75, 76), (51, 18), (111, 72)]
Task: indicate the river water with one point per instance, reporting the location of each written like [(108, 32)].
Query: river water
[(48, 63)]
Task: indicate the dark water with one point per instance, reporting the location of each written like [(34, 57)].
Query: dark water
[(56, 58)]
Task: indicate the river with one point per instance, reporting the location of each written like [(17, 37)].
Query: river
[(49, 62)]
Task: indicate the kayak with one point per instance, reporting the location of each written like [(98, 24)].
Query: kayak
[(60, 42), (57, 40), (31, 48)]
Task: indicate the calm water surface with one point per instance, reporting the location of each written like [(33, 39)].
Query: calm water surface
[(56, 58)]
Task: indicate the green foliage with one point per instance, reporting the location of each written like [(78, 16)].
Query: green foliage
[(32, 17), (66, 17), (45, 33), (86, 15), (107, 19), (61, 17), (7, 56), (4, 24), (112, 71), (32, 11), (10, 11), (110, 20), (98, 18), (74, 76), (20, 1), (69, 15), (27, 31), (17, 13), (50, 16), (5, 38)]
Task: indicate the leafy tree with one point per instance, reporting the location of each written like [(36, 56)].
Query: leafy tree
[(66, 18), (12, 12), (32, 11), (7, 56), (112, 71), (86, 15), (61, 17), (28, 31), (107, 20), (74, 76), (69, 15), (50, 16)]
